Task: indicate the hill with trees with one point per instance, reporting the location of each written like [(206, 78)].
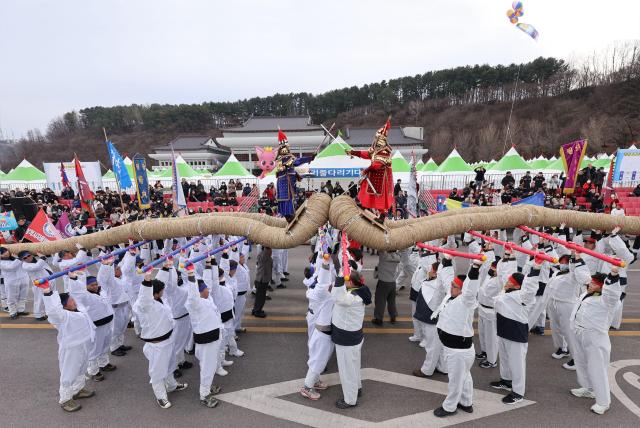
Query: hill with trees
[(551, 102)]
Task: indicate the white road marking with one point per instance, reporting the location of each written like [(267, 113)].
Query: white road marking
[(264, 399), (632, 378)]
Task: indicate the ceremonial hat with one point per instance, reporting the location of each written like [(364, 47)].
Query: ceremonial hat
[(516, 278)]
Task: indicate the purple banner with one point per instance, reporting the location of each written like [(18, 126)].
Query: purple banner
[(572, 155)]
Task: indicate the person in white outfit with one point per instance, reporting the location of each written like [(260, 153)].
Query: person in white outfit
[(320, 345), (621, 251), (434, 289), (512, 321), (36, 268), (349, 299), (117, 285), (424, 262), (156, 324), (590, 322), (455, 330), (207, 325), (176, 292), (95, 302), (243, 280), (487, 331), (75, 340), (16, 282), (65, 259)]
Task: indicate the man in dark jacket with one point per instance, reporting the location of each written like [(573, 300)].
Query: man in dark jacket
[(508, 180), (264, 270)]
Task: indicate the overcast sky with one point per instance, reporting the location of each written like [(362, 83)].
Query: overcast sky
[(61, 55)]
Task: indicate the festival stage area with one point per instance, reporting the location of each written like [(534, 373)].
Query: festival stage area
[(262, 387)]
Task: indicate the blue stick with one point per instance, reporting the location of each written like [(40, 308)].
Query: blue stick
[(160, 260), (211, 252)]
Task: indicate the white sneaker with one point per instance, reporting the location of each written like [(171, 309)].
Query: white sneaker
[(423, 344), (570, 365), (221, 372), (598, 409), (583, 393), (237, 353), (226, 363), (414, 338)]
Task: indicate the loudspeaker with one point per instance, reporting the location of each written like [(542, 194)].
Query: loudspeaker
[(24, 206)]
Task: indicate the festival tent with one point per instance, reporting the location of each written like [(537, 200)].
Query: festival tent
[(555, 166), (25, 172), (454, 164), (430, 166), (539, 163), (452, 172), (232, 169), (511, 161), (419, 165), (400, 168), (333, 163), (633, 147), (184, 170)]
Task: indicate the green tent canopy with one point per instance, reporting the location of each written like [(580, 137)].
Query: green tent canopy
[(555, 165), (232, 169), (539, 163), (25, 171), (419, 165), (511, 161), (454, 163), (430, 166), (399, 163), (336, 148), (184, 170)]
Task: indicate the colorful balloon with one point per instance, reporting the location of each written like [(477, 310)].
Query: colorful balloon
[(266, 160), (516, 12), (517, 8)]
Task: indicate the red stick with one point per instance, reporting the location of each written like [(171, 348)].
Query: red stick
[(573, 246), (346, 269), (452, 252), (518, 248)]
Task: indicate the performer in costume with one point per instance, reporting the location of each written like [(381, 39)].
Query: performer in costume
[(376, 191), (287, 177)]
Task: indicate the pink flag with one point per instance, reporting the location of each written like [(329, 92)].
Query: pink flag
[(64, 226)]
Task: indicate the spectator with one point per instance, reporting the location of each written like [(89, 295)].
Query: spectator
[(246, 190), (67, 193), (538, 181), (338, 190), (525, 182), (353, 190), (480, 171), (616, 210), (598, 180), (23, 225), (636, 191), (554, 182), (397, 188), (508, 180), (329, 188)]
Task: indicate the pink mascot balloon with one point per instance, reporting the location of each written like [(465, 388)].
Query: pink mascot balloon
[(266, 160)]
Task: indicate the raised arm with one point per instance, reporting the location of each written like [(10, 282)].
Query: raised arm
[(53, 308), (145, 296), (472, 283), (531, 283)]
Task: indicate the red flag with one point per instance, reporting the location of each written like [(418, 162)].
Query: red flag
[(84, 190), (41, 229)]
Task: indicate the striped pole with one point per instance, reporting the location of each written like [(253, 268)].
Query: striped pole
[(160, 260), (211, 252)]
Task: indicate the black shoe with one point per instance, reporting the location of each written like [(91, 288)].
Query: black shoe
[(108, 368), (125, 348), (441, 413), (42, 318), (190, 351), (118, 353), (270, 288), (392, 320), (341, 404), (281, 286), (376, 321), (23, 313), (512, 398), (501, 384), (185, 365), (419, 373), (285, 273), (98, 377), (259, 314), (537, 330), (181, 387), (468, 409), (284, 279), (268, 297), (130, 324), (177, 373), (241, 330), (440, 372), (359, 392), (481, 356), (487, 365), (13, 316)]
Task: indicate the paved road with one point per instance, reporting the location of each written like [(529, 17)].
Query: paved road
[(261, 387)]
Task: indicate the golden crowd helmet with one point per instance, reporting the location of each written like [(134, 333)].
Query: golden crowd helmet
[(380, 140)]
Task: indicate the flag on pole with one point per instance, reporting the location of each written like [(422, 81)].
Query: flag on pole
[(41, 229), (572, 155), (8, 221), (118, 167), (84, 191), (63, 175), (179, 201), (64, 226), (412, 194), (142, 182)]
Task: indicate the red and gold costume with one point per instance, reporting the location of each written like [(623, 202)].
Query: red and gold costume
[(376, 190)]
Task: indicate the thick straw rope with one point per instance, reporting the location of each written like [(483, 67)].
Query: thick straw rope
[(343, 214), (259, 228)]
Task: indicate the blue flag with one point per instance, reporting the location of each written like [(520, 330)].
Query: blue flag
[(535, 199), (119, 168), (8, 221), (142, 182)]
